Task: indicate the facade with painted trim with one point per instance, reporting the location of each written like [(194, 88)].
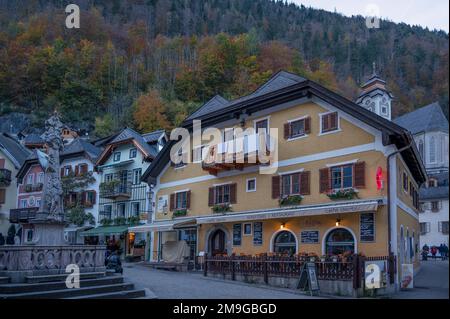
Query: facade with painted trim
[(331, 181)]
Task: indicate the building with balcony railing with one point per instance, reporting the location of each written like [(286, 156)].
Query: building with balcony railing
[(12, 156), (123, 199)]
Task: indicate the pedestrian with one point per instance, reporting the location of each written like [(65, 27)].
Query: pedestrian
[(425, 250), (441, 251), (445, 248), (2, 239), (434, 251)]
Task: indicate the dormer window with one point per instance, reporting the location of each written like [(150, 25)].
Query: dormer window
[(432, 183), (133, 153)]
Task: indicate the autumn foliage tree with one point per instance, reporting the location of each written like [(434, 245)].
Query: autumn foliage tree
[(149, 112)]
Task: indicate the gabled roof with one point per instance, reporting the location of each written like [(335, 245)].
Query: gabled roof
[(13, 149), (425, 119), (32, 159), (125, 136), (153, 137), (80, 146), (277, 81), (438, 192), (34, 139), (257, 101)]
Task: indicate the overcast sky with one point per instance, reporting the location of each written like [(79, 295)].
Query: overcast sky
[(432, 14)]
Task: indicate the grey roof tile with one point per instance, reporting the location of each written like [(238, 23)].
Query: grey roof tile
[(153, 136), (14, 148), (79, 145), (426, 119), (278, 81)]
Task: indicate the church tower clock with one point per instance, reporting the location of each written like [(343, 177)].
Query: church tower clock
[(375, 97)]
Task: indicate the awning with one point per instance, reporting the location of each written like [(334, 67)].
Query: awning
[(72, 229), (307, 210), (163, 226), (105, 230)]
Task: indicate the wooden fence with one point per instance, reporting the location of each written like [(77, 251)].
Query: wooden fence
[(350, 269)]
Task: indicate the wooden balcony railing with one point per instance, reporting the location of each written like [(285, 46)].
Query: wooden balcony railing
[(22, 215), (115, 189)]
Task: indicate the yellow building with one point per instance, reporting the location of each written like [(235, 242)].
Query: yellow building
[(335, 183)]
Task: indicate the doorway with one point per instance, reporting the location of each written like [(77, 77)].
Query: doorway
[(217, 243)]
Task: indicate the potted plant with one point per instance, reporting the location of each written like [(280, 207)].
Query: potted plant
[(323, 258), (120, 221), (180, 212), (221, 208), (106, 221)]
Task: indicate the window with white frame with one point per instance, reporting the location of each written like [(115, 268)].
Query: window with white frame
[(432, 150), (135, 207), (137, 176), (341, 176), (251, 185), (40, 178), (133, 153), (443, 227), (222, 194), (329, 122), (23, 203), (116, 156), (424, 228), (30, 179)]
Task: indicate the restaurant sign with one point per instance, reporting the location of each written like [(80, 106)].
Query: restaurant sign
[(307, 211)]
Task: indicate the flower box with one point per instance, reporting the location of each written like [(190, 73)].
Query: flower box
[(179, 212), (343, 194), (291, 200), (221, 208)]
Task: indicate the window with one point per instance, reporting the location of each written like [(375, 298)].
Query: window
[(23, 203), (342, 177), (297, 128), (405, 182), (40, 178), (443, 227), (329, 122), (135, 208), (424, 228), (181, 200), (222, 194), (290, 184), (38, 202), (90, 197), (432, 183), (251, 185), (247, 229), (116, 156), (108, 177), (107, 210), (411, 189), (432, 150), (339, 241), (197, 154), (121, 210), (435, 206), (82, 169), (285, 243), (29, 235), (182, 162), (30, 179), (67, 170), (137, 176), (133, 153)]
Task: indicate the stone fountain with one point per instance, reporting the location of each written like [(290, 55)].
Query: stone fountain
[(49, 253)]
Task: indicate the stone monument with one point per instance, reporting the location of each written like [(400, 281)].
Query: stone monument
[(49, 221)]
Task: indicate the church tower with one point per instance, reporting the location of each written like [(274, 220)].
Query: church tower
[(375, 97)]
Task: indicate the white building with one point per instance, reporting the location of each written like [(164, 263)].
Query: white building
[(429, 127), (77, 165)]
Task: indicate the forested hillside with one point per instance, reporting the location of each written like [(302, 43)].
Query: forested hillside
[(149, 63)]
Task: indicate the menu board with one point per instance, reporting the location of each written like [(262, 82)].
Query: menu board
[(257, 233), (237, 234), (367, 227), (310, 236)]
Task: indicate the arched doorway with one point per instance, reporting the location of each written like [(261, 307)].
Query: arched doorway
[(339, 241), (285, 243), (217, 242)]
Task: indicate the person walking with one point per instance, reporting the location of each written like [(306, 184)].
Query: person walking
[(425, 250), (434, 251), (2, 239)]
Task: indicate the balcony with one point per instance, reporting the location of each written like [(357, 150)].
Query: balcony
[(31, 188), (245, 151), (115, 190), (22, 215), (5, 177)]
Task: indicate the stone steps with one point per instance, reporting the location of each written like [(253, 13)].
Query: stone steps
[(136, 293), (4, 280), (68, 293), (57, 285), (62, 277)]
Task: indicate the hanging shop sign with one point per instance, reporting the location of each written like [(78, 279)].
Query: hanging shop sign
[(367, 227), (309, 236)]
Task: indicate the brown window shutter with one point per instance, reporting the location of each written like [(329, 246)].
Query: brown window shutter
[(275, 187), (94, 197), (2, 196), (307, 125), (2, 163), (324, 180), (62, 171), (324, 123), (211, 196), (83, 198), (188, 199), (304, 183), (287, 130), (172, 202), (233, 193), (360, 174), (77, 170), (333, 121)]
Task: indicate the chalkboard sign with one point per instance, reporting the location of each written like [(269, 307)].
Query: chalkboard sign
[(308, 278), (257, 233), (367, 227), (237, 234), (310, 236)]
